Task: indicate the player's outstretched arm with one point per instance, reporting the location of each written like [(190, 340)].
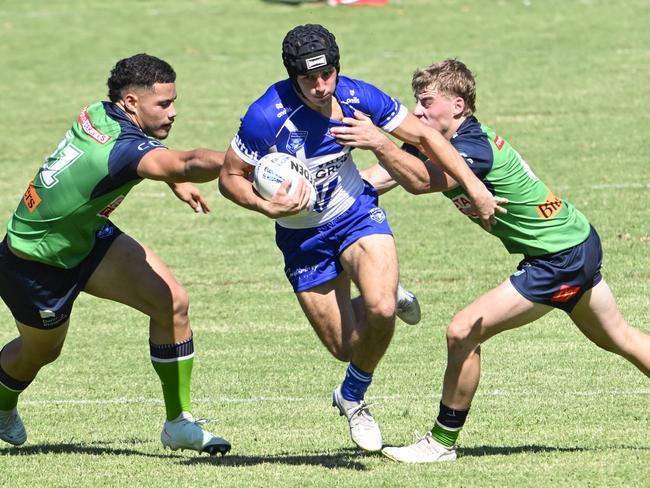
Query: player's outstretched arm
[(395, 165), (440, 151), (197, 165), (235, 184)]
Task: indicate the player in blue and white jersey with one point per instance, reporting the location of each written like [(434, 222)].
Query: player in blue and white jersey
[(345, 236)]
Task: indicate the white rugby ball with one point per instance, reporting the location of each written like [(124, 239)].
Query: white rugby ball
[(274, 168)]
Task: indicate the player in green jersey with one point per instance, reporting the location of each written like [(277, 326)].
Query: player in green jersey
[(60, 242), (562, 252)]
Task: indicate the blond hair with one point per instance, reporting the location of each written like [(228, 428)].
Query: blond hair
[(450, 77)]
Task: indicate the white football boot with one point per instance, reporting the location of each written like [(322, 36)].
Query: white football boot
[(425, 450), (185, 432), (408, 308), (363, 428), (12, 429)]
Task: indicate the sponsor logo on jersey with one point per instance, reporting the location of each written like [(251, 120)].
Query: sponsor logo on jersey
[(550, 207), (254, 155), (88, 127), (499, 142), (467, 158), (464, 204), (150, 143), (377, 214), (282, 110), (327, 169), (565, 293), (108, 209), (296, 140), (316, 62), (31, 198)]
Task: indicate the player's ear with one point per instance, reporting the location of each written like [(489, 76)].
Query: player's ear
[(459, 106), (130, 100)]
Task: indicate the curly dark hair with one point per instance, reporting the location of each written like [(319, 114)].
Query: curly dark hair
[(138, 70)]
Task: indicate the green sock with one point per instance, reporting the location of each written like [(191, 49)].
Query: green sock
[(444, 436), (175, 378), (173, 363)]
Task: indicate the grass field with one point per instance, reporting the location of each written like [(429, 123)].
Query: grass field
[(566, 81)]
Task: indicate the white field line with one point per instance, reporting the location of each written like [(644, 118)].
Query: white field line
[(285, 399)]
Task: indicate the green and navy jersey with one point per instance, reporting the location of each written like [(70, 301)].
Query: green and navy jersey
[(78, 186), (538, 222)]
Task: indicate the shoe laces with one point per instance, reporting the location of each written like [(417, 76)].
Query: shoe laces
[(6, 420), (362, 413), (424, 441), (199, 422)]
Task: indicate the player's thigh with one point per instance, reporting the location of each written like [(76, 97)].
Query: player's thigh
[(329, 310), (132, 274), (597, 316), (500, 309), (371, 262)]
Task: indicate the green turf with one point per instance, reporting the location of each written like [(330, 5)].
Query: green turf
[(566, 81)]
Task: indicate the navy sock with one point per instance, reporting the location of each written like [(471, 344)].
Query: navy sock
[(448, 425), (10, 388)]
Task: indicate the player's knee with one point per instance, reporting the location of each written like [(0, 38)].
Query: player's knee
[(460, 334), (180, 305), (42, 355), (173, 307), (380, 311)]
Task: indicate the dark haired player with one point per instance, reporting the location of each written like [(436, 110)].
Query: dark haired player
[(60, 242), (562, 251), (346, 236)]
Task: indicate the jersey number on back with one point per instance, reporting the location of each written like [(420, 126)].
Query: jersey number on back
[(63, 156)]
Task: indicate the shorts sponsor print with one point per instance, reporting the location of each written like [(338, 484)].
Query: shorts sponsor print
[(560, 279), (42, 296), (311, 255)]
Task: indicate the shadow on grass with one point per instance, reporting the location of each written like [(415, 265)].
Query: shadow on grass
[(70, 448), (341, 458), (348, 458), (508, 450)]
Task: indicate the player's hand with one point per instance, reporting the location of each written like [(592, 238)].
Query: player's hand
[(486, 206), (284, 204), (188, 193), (359, 132)]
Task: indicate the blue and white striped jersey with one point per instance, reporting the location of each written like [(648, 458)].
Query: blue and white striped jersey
[(279, 121)]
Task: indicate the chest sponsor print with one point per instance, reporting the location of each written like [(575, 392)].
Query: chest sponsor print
[(549, 207)]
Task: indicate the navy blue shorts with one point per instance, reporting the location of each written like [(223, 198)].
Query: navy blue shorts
[(40, 295), (311, 256), (560, 279)]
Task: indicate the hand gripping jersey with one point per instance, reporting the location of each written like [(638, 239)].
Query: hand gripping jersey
[(78, 186), (538, 222), (280, 122)]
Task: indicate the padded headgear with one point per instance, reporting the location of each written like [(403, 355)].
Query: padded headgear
[(308, 48)]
